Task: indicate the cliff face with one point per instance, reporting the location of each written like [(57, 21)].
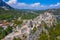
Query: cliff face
[(4, 5)]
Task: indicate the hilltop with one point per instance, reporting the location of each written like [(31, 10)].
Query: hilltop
[(31, 29), (5, 5)]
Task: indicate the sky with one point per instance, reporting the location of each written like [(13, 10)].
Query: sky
[(34, 4)]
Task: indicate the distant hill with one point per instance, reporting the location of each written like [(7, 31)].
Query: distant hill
[(23, 13), (4, 5), (54, 11)]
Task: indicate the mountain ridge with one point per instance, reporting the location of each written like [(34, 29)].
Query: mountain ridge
[(4, 5)]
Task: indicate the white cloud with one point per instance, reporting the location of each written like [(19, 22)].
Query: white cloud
[(22, 4), (19, 5), (11, 2), (35, 4), (57, 5), (54, 4)]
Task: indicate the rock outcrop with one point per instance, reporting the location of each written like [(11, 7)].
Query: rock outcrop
[(28, 26)]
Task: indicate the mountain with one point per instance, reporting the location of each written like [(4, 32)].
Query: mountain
[(33, 28), (4, 5)]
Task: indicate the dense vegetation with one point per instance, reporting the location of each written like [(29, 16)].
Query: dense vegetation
[(9, 15), (5, 32), (43, 36), (54, 32), (16, 38), (14, 14)]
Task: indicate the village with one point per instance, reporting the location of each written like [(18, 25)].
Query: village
[(28, 26)]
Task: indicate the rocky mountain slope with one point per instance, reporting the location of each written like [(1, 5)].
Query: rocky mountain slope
[(40, 22), (4, 5)]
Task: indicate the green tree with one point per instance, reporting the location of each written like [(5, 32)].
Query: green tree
[(16, 38), (43, 36)]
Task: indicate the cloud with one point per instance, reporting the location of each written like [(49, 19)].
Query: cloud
[(37, 6), (54, 5), (58, 4), (10, 2)]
